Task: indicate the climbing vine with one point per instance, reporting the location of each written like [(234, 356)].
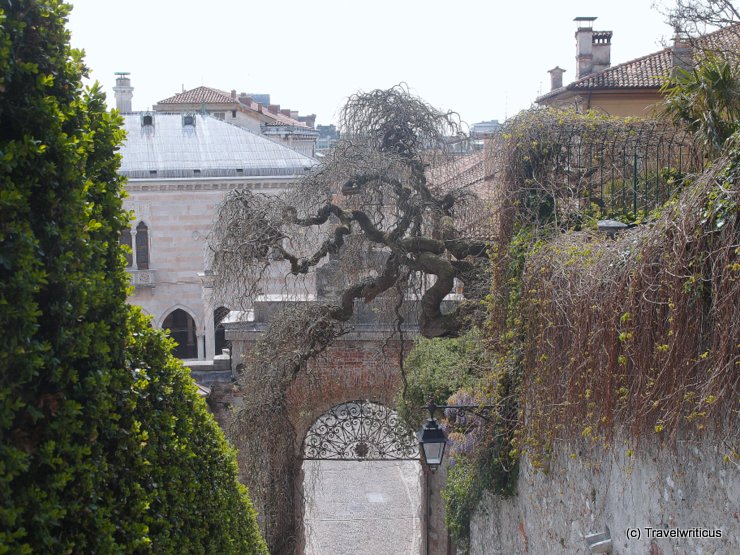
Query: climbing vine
[(587, 335)]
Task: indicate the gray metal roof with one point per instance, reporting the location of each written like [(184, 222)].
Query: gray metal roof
[(210, 148)]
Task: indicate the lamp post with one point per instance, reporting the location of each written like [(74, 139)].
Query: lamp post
[(432, 443)]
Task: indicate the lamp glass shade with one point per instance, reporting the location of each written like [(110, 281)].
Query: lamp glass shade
[(433, 452), (433, 443)]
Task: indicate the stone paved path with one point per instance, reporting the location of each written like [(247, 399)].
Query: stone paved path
[(363, 508)]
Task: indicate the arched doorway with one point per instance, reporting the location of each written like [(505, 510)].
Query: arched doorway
[(182, 330), (361, 482)]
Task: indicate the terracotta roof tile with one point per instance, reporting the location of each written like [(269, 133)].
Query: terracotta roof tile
[(646, 72), (280, 119), (199, 95), (208, 95)]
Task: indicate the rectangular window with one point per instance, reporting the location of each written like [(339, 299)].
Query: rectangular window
[(219, 115)]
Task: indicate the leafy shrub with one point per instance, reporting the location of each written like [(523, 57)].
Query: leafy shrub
[(94, 457), (197, 504), (706, 100), (436, 368), (461, 371)]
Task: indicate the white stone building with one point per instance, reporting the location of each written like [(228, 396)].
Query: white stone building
[(179, 167)]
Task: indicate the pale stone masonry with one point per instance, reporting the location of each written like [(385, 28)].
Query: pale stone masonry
[(178, 171)]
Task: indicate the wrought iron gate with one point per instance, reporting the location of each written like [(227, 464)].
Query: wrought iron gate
[(360, 431)]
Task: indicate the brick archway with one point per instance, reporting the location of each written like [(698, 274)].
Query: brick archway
[(359, 365), (353, 368)]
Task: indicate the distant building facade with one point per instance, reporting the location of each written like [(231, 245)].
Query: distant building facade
[(631, 88), (250, 112), (484, 129), (179, 167), (328, 137)]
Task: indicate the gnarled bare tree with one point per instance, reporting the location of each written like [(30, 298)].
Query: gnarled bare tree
[(383, 205), (381, 216)]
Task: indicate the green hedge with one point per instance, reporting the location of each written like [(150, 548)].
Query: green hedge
[(95, 455), (197, 504)]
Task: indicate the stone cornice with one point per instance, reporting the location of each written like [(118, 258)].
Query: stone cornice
[(205, 184)]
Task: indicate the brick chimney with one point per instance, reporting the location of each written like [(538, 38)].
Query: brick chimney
[(556, 77), (123, 92), (593, 48)]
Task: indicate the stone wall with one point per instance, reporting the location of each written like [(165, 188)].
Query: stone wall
[(694, 484)]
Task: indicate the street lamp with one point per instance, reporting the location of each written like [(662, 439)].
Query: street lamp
[(433, 442), (432, 438)]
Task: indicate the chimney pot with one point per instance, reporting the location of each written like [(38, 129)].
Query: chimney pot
[(556, 77), (233, 94), (593, 48), (123, 92)]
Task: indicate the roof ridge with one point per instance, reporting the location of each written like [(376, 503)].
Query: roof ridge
[(201, 88)]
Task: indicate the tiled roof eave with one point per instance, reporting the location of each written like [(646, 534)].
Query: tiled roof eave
[(614, 88), (571, 91), (642, 74), (197, 103)]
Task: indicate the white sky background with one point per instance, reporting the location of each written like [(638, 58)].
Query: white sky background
[(485, 59)]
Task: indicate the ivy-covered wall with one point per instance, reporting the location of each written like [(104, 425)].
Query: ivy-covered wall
[(104, 445), (616, 342)]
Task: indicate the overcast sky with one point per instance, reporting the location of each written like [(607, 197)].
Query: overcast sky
[(485, 59)]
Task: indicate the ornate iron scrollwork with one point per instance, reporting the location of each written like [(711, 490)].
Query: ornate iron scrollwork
[(360, 431)]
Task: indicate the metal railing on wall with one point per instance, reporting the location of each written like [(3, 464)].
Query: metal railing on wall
[(567, 166)]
